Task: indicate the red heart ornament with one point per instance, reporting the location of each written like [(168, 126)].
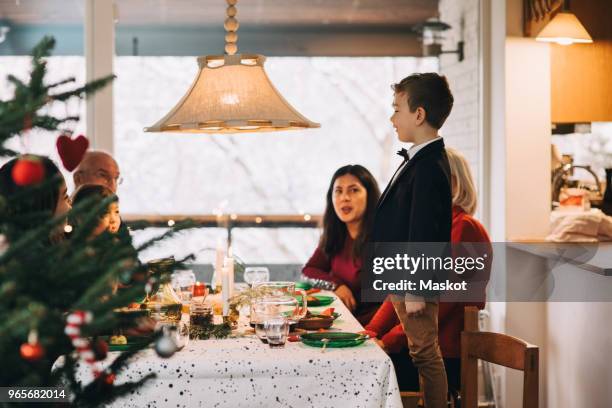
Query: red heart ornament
[(71, 151)]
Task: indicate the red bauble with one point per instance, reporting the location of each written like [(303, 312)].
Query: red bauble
[(28, 170), (32, 352), (109, 379), (71, 151), (100, 349)]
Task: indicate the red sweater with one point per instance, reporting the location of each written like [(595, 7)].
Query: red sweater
[(385, 323), (340, 269)]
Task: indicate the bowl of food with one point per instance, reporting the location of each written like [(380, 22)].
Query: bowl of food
[(318, 320)]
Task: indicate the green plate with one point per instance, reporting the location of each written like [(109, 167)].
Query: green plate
[(336, 339), (303, 285), (322, 300)]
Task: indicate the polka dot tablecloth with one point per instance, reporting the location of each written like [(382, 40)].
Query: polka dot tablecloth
[(244, 372)]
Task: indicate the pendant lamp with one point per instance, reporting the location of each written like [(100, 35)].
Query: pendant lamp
[(564, 29), (232, 94)]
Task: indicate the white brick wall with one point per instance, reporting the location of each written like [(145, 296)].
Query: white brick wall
[(461, 130)]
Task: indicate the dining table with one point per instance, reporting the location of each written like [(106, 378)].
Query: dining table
[(242, 371)]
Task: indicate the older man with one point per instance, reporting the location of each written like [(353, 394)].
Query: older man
[(98, 168)]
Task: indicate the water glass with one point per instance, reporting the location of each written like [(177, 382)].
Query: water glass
[(183, 282), (276, 330), (256, 274)]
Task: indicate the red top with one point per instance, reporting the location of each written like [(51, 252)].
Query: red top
[(385, 323), (340, 269)]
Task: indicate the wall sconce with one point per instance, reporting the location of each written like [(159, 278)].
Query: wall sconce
[(3, 31), (430, 32)]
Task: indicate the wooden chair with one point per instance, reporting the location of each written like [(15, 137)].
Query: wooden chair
[(498, 349)]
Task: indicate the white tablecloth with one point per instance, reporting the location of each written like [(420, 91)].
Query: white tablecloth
[(244, 372)]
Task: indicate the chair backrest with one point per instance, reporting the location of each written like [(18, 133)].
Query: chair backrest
[(499, 349)]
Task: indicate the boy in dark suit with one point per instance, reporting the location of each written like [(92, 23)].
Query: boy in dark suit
[(416, 206)]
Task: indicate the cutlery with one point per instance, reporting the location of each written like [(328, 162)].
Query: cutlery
[(324, 341)]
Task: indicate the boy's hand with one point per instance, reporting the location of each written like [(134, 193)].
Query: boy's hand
[(346, 296)]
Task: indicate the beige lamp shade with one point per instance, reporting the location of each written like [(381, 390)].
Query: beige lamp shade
[(232, 94), (564, 29)]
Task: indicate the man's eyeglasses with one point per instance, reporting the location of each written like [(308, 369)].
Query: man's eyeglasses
[(108, 178)]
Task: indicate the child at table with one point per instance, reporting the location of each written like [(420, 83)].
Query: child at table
[(109, 220), (385, 325), (347, 222)]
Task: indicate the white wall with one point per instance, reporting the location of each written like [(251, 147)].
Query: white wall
[(463, 127), (528, 139)]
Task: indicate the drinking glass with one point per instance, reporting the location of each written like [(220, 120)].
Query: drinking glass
[(271, 307), (256, 274), (276, 330), (264, 309), (184, 281)]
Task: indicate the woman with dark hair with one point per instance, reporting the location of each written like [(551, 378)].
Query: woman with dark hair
[(46, 199), (349, 215)]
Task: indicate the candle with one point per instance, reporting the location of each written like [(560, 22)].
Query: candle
[(220, 255), (229, 264), (225, 290), (199, 289)]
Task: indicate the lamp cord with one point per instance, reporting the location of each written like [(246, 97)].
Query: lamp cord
[(231, 27)]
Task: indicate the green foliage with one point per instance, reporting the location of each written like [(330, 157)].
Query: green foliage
[(40, 281), (24, 109)]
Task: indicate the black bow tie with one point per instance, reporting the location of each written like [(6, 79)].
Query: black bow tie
[(404, 154)]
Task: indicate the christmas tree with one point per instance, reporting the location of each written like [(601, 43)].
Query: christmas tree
[(56, 296)]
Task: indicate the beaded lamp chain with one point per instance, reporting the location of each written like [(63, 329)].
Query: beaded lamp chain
[(231, 27)]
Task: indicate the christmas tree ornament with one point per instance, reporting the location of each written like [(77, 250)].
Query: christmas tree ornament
[(28, 170), (109, 378), (74, 321), (165, 346), (71, 151), (32, 350)]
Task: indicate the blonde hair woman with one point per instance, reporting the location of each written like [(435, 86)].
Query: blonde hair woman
[(462, 183), (385, 326)]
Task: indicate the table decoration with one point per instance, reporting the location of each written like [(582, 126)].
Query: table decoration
[(165, 304)]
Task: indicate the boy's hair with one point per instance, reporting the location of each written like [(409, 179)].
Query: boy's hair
[(429, 91)]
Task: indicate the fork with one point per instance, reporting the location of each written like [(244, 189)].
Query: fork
[(325, 341)]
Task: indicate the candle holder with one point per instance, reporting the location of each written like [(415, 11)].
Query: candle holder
[(232, 318)]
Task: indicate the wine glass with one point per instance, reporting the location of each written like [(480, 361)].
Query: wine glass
[(256, 274)]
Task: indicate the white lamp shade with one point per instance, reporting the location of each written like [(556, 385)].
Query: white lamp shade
[(564, 29), (232, 94)]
